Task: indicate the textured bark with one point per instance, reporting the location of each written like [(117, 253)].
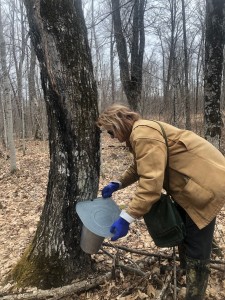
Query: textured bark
[(214, 43), (59, 37), (32, 91)]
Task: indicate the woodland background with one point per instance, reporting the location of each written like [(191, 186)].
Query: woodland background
[(163, 64), (172, 83)]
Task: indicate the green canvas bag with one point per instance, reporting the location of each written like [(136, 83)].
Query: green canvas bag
[(163, 221)]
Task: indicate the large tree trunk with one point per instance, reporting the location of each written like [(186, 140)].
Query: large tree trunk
[(214, 43), (59, 37)]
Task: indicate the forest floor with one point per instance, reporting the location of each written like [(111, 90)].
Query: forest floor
[(139, 276)]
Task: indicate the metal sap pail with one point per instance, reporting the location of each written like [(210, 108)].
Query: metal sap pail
[(97, 216), (90, 242)]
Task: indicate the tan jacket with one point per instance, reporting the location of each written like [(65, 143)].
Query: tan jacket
[(197, 171)]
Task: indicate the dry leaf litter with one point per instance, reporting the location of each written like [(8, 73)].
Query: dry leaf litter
[(21, 200)]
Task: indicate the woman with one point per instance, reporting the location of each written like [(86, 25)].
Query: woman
[(197, 183)]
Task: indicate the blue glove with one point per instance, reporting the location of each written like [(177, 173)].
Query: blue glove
[(109, 189), (120, 228)]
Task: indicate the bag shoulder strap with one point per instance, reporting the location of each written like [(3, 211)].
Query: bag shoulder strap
[(167, 162)]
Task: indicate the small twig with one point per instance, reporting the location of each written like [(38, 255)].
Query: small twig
[(217, 268), (132, 270), (128, 290), (127, 268), (174, 275), (220, 262), (164, 288), (114, 263)]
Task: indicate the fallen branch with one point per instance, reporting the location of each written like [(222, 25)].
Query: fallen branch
[(61, 292), (146, 253), (141, 252)]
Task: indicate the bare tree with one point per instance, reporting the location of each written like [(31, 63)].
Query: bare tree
[(18, 52), (7, 98), (130, 73), (214, 43), (172, 48), (198, 72), (186, 67), (59, 37), (112, 64)]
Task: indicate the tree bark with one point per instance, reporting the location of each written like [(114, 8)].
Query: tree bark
[(59, 36), (214, 43)]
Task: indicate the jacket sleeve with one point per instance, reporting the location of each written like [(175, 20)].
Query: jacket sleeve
[(129, 176), (150, 156)]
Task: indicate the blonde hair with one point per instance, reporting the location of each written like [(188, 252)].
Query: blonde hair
[(119, 117)]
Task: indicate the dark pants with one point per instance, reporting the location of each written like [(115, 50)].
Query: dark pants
[(198, 242)]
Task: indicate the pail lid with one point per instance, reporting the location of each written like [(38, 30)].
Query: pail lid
[(98, 215)]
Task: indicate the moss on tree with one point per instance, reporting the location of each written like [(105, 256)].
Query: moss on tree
[(40, 272)]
